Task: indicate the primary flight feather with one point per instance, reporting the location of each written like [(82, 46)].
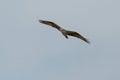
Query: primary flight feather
[(63, 31)]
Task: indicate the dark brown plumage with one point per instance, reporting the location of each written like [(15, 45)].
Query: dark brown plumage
[(63, 31)]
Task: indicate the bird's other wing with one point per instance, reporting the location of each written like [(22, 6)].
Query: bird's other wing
[(50, 24), (75, 34)]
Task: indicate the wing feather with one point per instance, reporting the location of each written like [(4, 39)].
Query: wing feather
[(75, 34), (50, 24)]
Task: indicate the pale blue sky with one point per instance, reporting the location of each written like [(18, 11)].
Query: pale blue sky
[(33, 51)]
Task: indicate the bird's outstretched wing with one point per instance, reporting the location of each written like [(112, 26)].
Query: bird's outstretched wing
[(50, 24), (75, 34), (63, 31)]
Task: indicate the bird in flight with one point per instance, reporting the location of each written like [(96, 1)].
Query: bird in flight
[(66, 33)]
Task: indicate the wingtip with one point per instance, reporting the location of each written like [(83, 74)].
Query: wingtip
[(87, 41), (40, 21)]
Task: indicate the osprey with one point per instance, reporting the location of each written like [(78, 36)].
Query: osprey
[(63, 31)]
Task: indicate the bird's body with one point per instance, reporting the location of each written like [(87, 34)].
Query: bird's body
[(63, 31)]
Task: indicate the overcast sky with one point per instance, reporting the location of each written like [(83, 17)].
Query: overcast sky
[(33, 51)]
